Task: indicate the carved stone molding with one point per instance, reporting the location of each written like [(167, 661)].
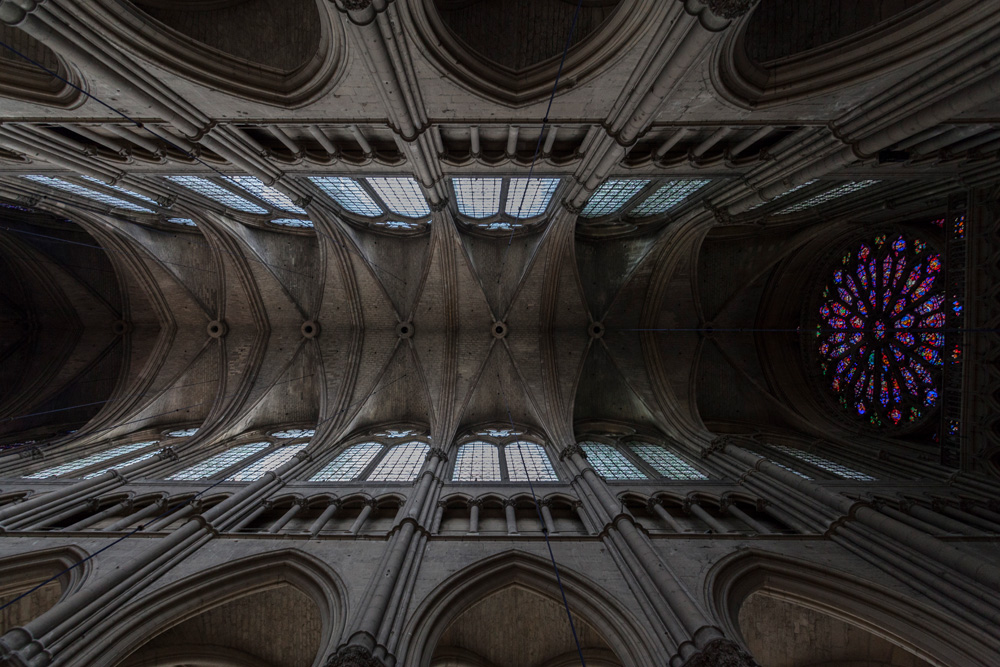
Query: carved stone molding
[(353, 656), (437, 452), (721, 653)]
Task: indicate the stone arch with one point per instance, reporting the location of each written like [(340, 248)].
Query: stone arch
[(836, 598), (24, 572), (754, 70), (218, 44), (23, 80), (262, 582), (449, 31), (516, 572)]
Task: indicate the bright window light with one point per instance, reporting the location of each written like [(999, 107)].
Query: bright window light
[(125, 464), (784, 194), (183, 433), (612, 196), (187, 222), (398, 224), (521, 455), (349, 463), (527, 199), (830, 195), (609, 463), (477, 197), (401, 195), (477, 462), (825, 464), (669, 195), (666, 463), (293, 222), (272, 461), (219, 462), (272, 196), (348, 193), (207, 188), (401, 463), (93, 459), (294, 433), (119, 188), (81, 191)]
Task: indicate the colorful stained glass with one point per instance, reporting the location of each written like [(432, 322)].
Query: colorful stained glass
[(877, 334)]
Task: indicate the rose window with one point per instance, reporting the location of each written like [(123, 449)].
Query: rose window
[(881, 330)]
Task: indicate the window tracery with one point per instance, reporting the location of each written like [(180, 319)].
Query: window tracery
[(822, 463), (216, 464), (623, 205), (269, 462), (501, 454), (88, 193), (388, 203), (502, 204), (880, 331), (93, 459), (828, 195), (632, 459)]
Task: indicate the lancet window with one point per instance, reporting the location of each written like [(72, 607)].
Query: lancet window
[(636, 459), (502, 454), (637, 198), (825, 464), (388, 455), (65, 469), (388, 203), (502, 204)]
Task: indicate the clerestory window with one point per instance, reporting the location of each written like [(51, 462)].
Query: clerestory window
[(93, 459), (514, 461), (216, 464), (638, 460)]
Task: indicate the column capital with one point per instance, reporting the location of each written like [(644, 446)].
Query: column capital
[(575, 448), (436, 453), (353, 656), (721, 653)]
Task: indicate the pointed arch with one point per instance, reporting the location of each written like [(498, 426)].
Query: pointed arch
[(917, 628), (589, 603), (142, 621)]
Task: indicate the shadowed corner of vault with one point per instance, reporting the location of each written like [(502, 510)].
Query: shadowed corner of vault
[(500, 264), (399, 395)]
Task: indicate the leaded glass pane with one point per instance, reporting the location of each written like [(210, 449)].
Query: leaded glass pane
[(401, 463), (477, 462), (272, 196), (499, 432), (610, 463), (93, 459), (477, 197), (611, 196), (119, 188), (785, 193), (669, 195), (825, 464), (348, 464), (292, 222), (665, 462), (86, 192), (521, 455), (401, 195), (349, 194), (184, 433), (187, 222), (830, 195), (526, 199), (273, 460), (219, 462), (295, 433), (207, 188), (398, 224), (143, 457)]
